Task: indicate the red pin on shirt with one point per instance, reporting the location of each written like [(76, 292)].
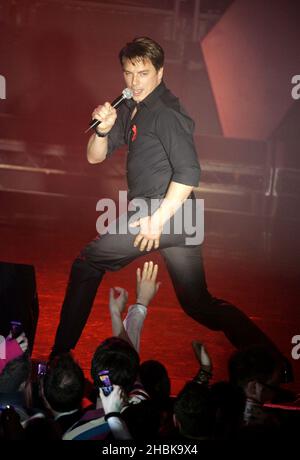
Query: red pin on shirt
[(134, 133)]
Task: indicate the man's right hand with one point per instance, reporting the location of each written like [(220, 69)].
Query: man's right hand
[(115, 401), (107, 115), (117, 304)]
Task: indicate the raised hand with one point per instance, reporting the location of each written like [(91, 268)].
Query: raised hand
[(146, 285), (117, 300), (22, 341), (107, 115), (114, 401), (202, 355)]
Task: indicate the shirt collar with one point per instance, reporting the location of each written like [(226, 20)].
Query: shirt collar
[(150, 99), (156, 93)]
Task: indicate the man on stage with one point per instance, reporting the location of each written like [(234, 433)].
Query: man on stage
[(162, 164)]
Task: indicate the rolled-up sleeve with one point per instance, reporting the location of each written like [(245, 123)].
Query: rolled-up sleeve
[(175, 131)]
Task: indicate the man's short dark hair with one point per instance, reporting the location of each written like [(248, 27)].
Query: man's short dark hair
[(120, 359), (142, 48), (195, 411), (64, 383), (155, 379), (16, 372)]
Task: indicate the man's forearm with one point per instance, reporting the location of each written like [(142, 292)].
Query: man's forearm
[(176, 195), (133, 323), (118, 329), (96, 149)]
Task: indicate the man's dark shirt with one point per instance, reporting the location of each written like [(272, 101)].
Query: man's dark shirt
[(160, 144)]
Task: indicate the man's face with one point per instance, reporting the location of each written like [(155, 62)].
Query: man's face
[(141, 77)]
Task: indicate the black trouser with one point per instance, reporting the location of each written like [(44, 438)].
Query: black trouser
[(185, 266)]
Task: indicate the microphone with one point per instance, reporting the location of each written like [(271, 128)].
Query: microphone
[(126, 94)]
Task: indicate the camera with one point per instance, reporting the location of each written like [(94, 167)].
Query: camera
[(105, 382)]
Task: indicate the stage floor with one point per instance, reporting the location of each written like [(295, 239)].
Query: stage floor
[(266, 292)]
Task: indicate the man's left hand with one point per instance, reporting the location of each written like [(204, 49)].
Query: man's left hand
[(149, 235), (146, 285)]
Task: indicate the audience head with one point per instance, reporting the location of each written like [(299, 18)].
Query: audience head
[(194, 412), (120, 359), (155, 379), (16, 374), (63, 384), (229, 401)]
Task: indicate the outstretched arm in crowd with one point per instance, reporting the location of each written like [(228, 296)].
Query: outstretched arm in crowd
[(146, 288), (117, 304), (204, 373)]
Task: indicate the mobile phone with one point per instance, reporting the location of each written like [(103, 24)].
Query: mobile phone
[(16, 329), (41, 369), (105, 382)]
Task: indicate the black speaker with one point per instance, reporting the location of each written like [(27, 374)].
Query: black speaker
[(18, 299)]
